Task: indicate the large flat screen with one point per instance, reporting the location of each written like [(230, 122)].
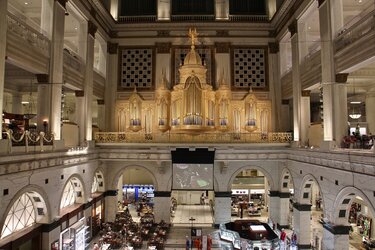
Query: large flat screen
[(190, 176)]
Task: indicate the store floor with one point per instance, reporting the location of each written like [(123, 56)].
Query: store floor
[(201, 213)]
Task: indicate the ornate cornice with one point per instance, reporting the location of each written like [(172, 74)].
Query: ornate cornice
[(341, 77), (79, 93), (62, 2), (100, 101), (42, 78), (305, 93)]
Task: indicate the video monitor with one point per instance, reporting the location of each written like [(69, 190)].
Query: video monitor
[(192, 176)]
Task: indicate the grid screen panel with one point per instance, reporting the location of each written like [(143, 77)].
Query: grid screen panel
[(136, 68), (249, 68)]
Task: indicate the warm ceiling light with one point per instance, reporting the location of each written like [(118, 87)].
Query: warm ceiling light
[(309, 28), (359, 1), (25, 102), (355, 102), (26, 3), (75, 28)]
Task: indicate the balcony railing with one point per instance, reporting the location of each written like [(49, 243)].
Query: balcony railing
[(357, 30), (72, 60), (28, 34), (136, 19), (248, 18), (123, 137), (27, 139), (198, 18)]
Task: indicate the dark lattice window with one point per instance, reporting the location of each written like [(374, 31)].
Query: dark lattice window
[(247, 7), (193, 7), (138, 7)]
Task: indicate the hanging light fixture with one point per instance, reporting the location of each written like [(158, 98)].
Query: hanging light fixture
[(356, 113)]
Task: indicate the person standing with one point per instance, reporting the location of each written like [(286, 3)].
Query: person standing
[(283, 239), (294, 238)]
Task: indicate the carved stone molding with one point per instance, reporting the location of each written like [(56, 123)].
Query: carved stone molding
[(80, 93), (113, 34), (163, 48), (222, 33), (112, 48), (293, 27), (222, 47), (223, 167), (305, 93), (100, 101), (42, 78), (274, 48), (91, 28), (341, 77), (163, 33)]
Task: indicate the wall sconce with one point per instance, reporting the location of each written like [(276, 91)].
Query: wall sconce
[(45, 125)]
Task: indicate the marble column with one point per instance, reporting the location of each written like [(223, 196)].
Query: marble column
[(271, 8), (328, 72), (47, 17), (340, 102), (222, 207), (44, 100), (305, 117), (56, 68), (370, 114), (296, 82), (111, 86), (89, 79), (222, 60), (164, 10), (275, 85), (101, 115), (162, 206), (17, 103), (114, 9), (222, 9), (302, 224), (274, 207), (3, 42), (335, 237), (110, 205), (303, 40), (284, 210), (80, 115)]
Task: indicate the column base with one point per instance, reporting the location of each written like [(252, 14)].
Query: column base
[(90, 144), (295, 144), (5, 146), (304, 246), (328, 145)]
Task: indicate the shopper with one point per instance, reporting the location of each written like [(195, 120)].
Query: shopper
[(294, 238), (187, 243), (283, 239), (95, 247)]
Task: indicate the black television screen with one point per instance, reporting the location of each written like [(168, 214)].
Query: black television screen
[(188, 176)]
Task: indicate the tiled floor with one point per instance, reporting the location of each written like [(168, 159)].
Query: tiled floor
[(201, 213)]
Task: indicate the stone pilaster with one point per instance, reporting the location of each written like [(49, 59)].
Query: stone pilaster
[(162, 205), (274, 207), (222, 9), (164, 10), (279, 208), (111, 86), (101, 115), (222, 207), (3, 42), (17, 103), (335, 237), (284, 210), (302, 224), (370, 114), (293, 29), (80, 114), (305, 116), (275, 84)]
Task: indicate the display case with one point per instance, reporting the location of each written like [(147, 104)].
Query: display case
[(230, 236), (75, 237)]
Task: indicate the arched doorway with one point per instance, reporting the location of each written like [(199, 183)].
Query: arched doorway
[(354, 209), (136, 186), (250, 195)]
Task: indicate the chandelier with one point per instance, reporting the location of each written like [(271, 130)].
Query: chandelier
[(355, 114)]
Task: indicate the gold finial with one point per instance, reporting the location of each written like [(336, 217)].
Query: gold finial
[(193, 36)]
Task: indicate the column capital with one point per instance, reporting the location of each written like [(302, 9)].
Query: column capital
[(336, 229), (223, 194), (162, 193), (341, 77), (79, 93), (320, 2), (91, 28), (293, 27), (100, 101), (62, 2), (279, 194), (163, 48), (112, 48), (222, 47), (302, 207), (274, 47), (42, 78), (305, 93)]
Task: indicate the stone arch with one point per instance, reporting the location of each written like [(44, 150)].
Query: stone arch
[(265, 172), (286, 180), (305, 189), (40, 202), (78, 188), (99, 180), (122, 169), (343, 202)]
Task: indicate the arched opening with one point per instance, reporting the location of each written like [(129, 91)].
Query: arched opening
[(249, 195), (26, 210), (354, 209), (73, 193), (311, 194), (98, 182), (136, 188)]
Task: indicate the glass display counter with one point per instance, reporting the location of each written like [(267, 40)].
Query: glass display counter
[(75, 237), (230, 236)]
